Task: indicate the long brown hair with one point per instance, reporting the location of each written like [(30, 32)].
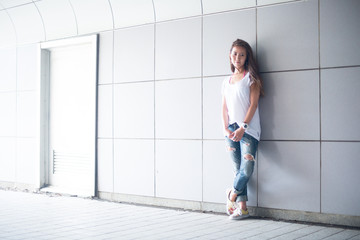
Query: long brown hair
[(250, 63)]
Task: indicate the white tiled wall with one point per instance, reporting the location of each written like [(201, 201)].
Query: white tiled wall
[(28, 24), (178, 109), (134, 54), (8, 159), (217, 171), (105, 165), (340, 178), (105, 111), (212, 123), (266, 2), (26, 156), (134, 166), (288, 41), (28, 73), (92, 16), (289, 175), (178, 49), (134, 110), (7, 31), (174, 9), (213, 6), (8, 69), (339, 104), (106, 40), (290, 108), (27, 114), (219, 32), (179, 169), (337, 34), (132, 12), (14, 3), (8, 114), (58, 18)]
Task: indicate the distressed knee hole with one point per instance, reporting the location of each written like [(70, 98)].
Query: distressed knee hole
[(249, 157), (230, 149)]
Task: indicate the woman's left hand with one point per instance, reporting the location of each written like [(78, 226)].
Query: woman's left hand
[(238, 134)]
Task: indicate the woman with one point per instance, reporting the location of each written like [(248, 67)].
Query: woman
[(241, 122)]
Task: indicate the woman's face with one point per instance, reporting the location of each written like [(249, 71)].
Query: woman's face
[(238, 57)]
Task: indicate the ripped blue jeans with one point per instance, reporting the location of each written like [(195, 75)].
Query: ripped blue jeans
[(243, 157)]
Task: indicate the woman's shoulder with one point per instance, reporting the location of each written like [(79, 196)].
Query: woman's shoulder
[(248, 79), (225, 83), (227, 79)]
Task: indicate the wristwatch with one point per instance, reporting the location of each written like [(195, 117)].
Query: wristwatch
[(244, 125)]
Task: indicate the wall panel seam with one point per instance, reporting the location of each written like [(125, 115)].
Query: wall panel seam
[(320, 160), (20, 5), (113, 110), (202, 106), (14, 27), (42, 20), (256, 49), (112, 14), (229, 11), (154, 91), (309, 69), (76, 22), (16, 113)]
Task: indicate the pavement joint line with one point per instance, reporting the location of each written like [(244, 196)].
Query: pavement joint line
[(38, 216)]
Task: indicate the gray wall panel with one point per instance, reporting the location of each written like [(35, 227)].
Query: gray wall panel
[(288, 40), (179, 169), (340, 178), (134, 110), (178, 109), (178, 49), (8, 69), (212, 121), (105, 165), (105, 111), (106, 57), (8, 158), (134, 54), (219, 33), (339, 27), (289, 175), (290, 108), (340, 111)]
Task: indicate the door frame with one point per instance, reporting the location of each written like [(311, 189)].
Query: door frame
[(44, 99)]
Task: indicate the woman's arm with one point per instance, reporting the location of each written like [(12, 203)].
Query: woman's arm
[(254, 100)]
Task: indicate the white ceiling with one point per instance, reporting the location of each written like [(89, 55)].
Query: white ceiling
[(30, 21)]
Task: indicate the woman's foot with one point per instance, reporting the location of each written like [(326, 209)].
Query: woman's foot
[(231, 206), (239, 214), (233, 196)]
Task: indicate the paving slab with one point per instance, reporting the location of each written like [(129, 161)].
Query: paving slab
[(42, 216)]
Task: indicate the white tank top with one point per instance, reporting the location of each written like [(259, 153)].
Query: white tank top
[(237, 97)]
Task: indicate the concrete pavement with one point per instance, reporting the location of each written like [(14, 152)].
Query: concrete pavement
[(42, 216)]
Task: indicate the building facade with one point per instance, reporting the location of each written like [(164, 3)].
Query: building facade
[(160, 65)]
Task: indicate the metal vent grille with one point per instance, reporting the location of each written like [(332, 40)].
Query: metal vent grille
[(70, 163)]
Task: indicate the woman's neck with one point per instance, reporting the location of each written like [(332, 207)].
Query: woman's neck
[(240, 72)]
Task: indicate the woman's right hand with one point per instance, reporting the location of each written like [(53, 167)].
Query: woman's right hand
[(228, 133)]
